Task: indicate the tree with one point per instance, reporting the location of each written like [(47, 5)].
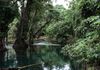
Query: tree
[(6, 16), (78, 29), (30, 13), (83, 49)]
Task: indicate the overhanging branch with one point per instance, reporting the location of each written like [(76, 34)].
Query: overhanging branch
[(39, 30)]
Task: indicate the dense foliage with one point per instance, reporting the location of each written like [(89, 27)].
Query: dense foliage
[(6, 17), (77, 28)]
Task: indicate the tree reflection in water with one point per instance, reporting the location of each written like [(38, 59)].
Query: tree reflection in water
[(2, 60), (48, 55), (45, 54)]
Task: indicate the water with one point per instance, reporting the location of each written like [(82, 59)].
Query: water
[(43, 58)]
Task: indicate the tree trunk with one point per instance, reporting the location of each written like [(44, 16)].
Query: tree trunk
[(20, 44), (2, 45), (97, 64), (22, 29), (84, 66), (2, 52)]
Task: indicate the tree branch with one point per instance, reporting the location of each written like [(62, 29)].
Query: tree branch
[(38, 31)]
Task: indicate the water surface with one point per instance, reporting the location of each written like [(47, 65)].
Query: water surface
[(43, 58)]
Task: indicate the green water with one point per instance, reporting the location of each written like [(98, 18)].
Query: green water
[(42, 58)]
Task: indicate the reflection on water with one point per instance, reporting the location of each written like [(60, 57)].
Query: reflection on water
[(66, 67), (2, 59), (46, 55)]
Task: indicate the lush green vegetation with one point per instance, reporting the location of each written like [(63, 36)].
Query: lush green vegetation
[(77, 29)]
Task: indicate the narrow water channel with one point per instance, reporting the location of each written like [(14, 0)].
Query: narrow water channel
[(42, 58)]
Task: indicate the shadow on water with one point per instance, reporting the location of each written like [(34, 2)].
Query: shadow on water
[(42, 58)]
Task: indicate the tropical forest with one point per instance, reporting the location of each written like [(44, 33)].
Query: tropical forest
[(49, 34)]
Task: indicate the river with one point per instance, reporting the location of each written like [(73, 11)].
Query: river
[(43, 58)]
